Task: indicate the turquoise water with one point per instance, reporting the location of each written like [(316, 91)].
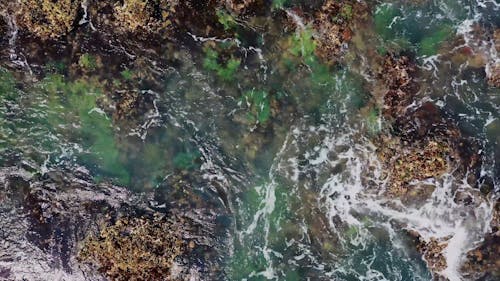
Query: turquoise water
[(286, 138)]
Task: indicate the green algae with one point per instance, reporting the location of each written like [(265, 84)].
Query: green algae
[(279, 4), (302, 45), (419, 29), (56, 67), (187, 160), (87, 62), (259, 105), (383, 18), (372, 120), (127, 74), (246, 260), (225, 71), (429, 45), (226, 19), (346, 12), (76, 102)]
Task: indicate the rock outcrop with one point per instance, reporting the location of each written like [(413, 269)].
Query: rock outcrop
[(68, 224)]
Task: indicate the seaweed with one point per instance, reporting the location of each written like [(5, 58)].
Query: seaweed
[(226, 70), (259, 105), (226, 19)]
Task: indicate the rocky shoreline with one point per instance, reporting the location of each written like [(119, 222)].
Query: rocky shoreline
[(71, 223)]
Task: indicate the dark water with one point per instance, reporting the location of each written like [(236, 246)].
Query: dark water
[(288, 142)]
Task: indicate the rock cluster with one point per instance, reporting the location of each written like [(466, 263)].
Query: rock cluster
[(47, 19), (432, 251), (423, 144)]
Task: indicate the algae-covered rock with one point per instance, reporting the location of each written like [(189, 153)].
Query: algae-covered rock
[(406, 162), (63, 225), (422, 144), (47, 18), (397, 74), (493, 72), (334, 24), (145, 15), (135, 248)]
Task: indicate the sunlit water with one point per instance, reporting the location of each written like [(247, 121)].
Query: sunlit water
[(305, 192)]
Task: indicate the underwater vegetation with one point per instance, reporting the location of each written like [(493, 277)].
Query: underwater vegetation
[(225, 70), (77, 102), (418, 30), (259, 106)]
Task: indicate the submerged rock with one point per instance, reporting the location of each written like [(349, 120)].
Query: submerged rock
[(483, 262)]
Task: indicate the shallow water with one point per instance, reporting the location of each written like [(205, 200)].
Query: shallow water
[(288, 143)]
